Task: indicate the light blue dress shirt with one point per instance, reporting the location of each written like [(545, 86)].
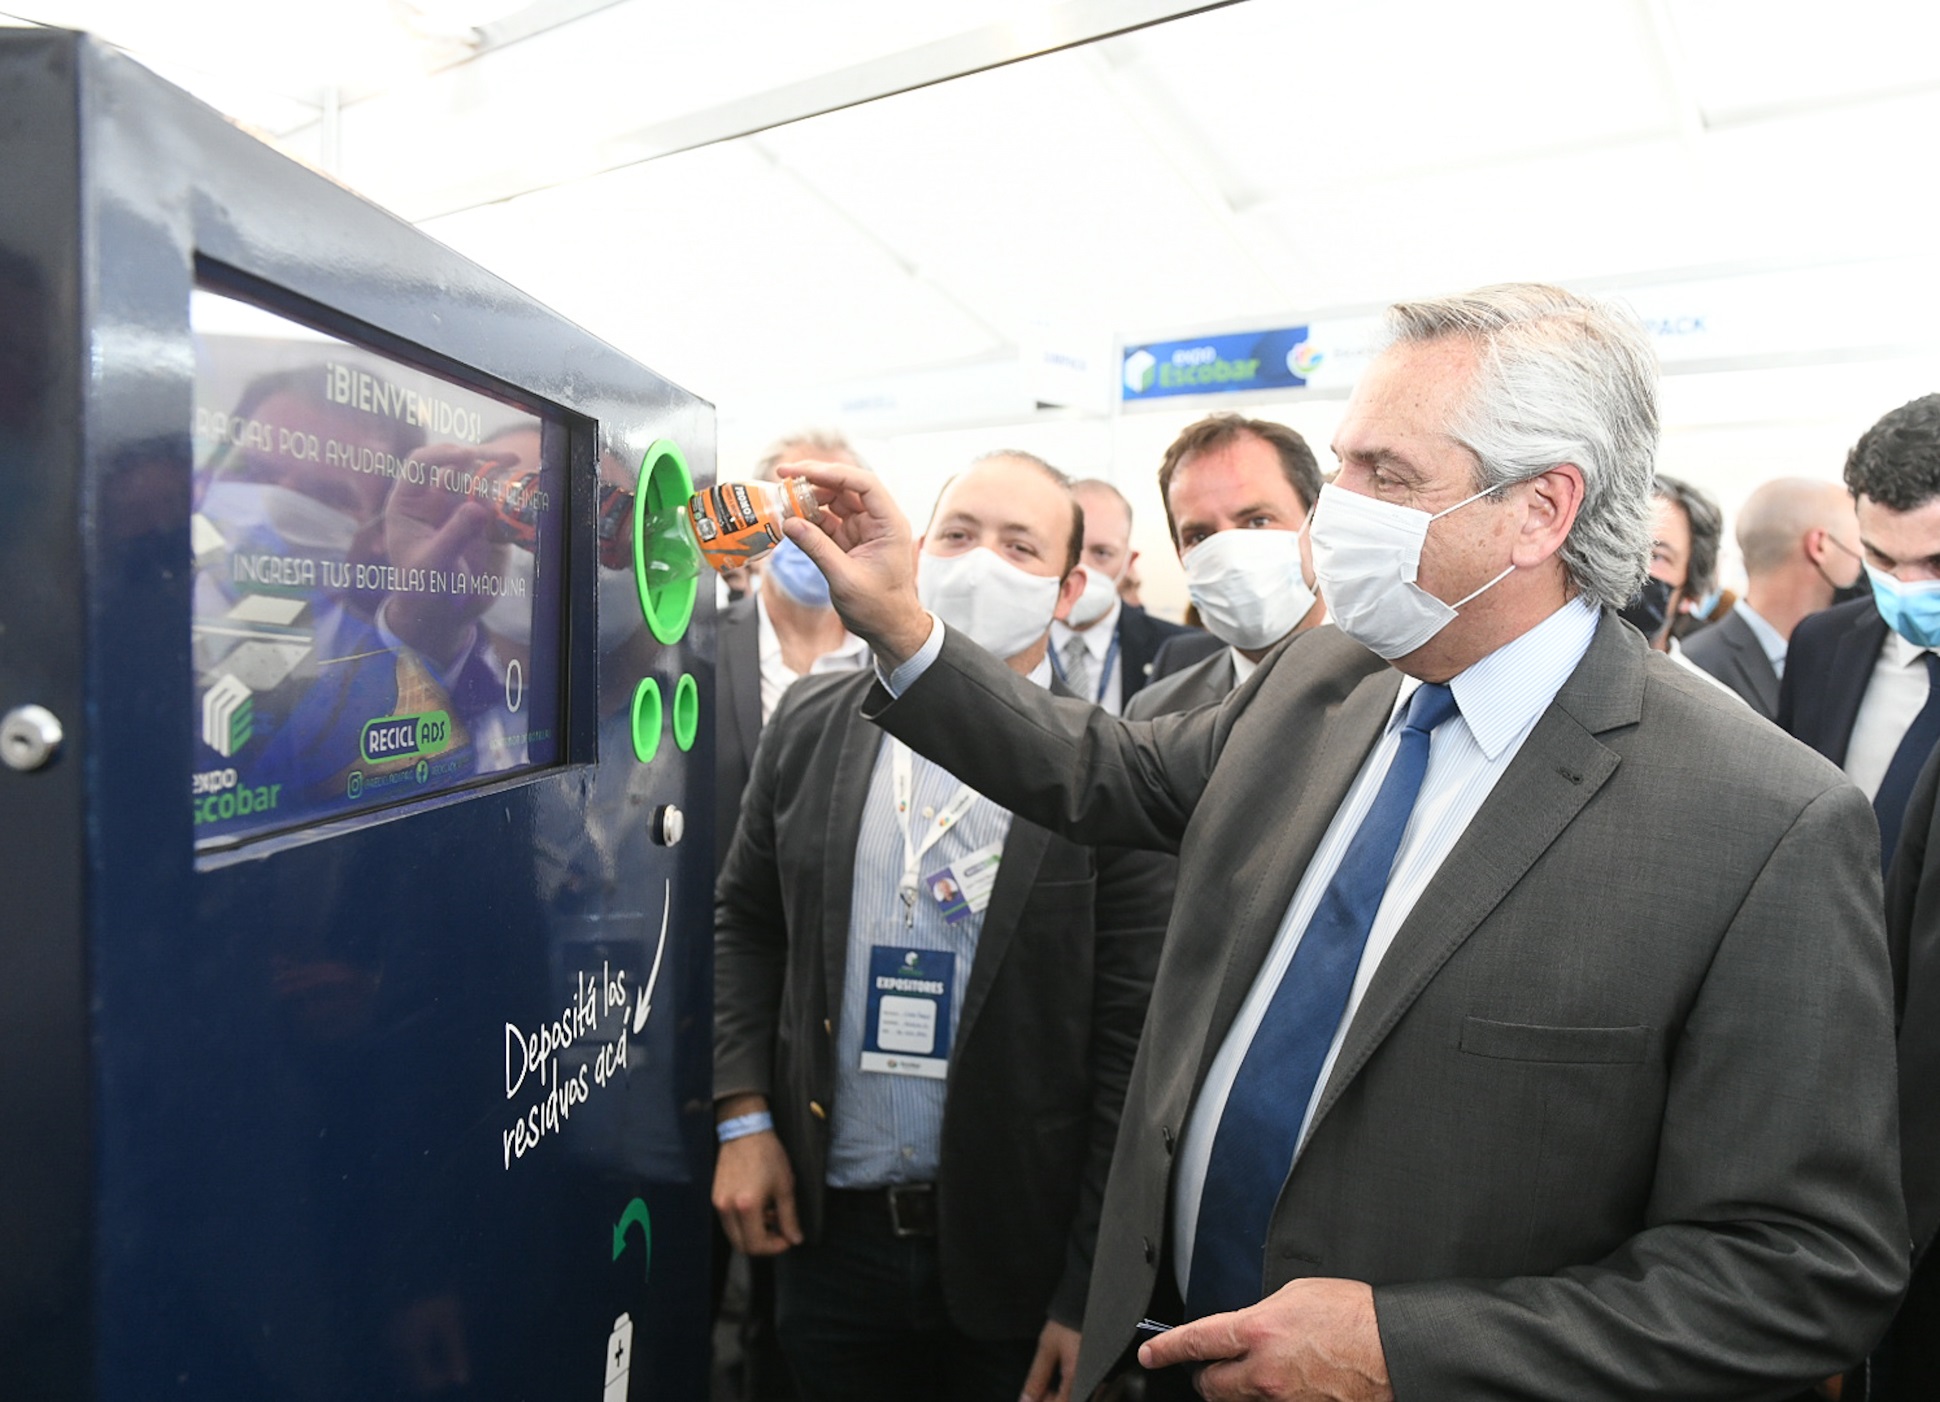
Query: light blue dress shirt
[(888, 1128), (1501, 698)]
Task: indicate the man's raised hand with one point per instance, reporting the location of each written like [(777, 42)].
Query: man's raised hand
[(862, 544)]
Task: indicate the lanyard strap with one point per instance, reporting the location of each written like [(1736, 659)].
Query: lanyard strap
[(1104, 672), (903, 772)]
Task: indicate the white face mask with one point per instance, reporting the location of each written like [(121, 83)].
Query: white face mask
[(1367, 554), (1247, 586), (1101, 592), (255, 516), (998, 606)]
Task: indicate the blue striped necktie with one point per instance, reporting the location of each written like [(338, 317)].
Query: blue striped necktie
[(1259, 1129)]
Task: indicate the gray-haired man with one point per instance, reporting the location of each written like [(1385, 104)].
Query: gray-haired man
[(1488, 1056)]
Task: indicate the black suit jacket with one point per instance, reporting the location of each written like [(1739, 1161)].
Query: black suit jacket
[(1908, 1368), (1140, 636), (1731, 652), (1204, 682), (1913, 936), (1052, 1013), (1828, 665), (737, 716)]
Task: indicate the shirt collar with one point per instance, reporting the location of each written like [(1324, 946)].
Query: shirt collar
[(851, 655), (1768, 639), (1243, 666), (1501, 696), (1900, 651), (1097, 637)]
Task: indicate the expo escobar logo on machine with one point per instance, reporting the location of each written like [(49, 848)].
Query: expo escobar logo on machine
[(228, 724)]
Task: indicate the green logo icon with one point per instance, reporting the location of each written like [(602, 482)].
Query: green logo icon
[(423, 770), (355, 787), (228, 716)]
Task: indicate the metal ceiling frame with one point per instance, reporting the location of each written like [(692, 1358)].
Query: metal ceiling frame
[(1065, 26)]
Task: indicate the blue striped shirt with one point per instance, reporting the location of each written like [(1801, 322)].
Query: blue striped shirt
[(888, 1128)]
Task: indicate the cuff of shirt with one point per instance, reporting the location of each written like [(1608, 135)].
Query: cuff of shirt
[(904, 677)]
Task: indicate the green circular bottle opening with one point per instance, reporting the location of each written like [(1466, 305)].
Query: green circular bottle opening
[(687, 711), (664, 486), (646, 719)]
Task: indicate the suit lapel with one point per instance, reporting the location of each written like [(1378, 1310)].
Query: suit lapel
[(1852, 668), (1346, 735), (855, 767), (1748, 660), (741, 647), (1024, 848), (1558, 770)]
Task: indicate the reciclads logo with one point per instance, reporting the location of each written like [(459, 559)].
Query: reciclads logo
[(402, 737)]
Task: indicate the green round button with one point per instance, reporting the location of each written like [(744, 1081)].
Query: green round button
[(687, 711), (664, 485), (646, 720)]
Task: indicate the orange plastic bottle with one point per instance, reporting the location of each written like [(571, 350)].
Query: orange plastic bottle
[(727, 526), (737, 523)]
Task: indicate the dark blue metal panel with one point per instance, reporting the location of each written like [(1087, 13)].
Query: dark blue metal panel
[(44, 1067), (307, 1179)]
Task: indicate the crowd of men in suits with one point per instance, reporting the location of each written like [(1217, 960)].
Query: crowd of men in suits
[(1456, 1001)]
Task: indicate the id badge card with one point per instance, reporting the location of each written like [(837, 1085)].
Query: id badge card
[(962, 889), (906, 1027)]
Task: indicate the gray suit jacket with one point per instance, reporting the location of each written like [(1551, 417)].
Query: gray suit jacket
[(1615, 1118), (1731, 652), (1052, 1010), (1204, 682)]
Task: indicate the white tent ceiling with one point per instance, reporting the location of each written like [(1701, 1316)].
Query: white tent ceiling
[(1246, 165)]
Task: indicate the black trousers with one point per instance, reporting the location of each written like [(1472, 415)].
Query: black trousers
[(860, 1317)]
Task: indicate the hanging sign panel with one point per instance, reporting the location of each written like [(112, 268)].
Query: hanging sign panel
[(1283, 358)]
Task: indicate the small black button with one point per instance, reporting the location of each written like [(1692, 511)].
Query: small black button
[(1150, 1254), (1165, 1133)]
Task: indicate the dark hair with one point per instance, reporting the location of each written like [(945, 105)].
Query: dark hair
[(1219, 430), (1075, 547), (1896, 462), (1707, 532)]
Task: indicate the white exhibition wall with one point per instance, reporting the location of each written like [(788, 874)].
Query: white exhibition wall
[(908, 267)]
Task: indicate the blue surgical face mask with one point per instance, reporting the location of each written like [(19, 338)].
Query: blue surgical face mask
[(1911, 610), (797, 576)]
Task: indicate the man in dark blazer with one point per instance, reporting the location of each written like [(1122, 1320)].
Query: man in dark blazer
[(1862, 680), (1907, 1366), (1578, 924), (1800, 544), (781, 629), (995, 1220), (1104, 650), (1222, 478)]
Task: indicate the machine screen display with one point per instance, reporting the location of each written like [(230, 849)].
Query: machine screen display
[(377, 598)]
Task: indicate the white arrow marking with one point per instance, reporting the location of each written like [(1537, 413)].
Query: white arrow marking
[(653, 977)]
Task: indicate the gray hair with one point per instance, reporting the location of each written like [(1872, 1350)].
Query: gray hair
[(1561, 379), (811, 444)]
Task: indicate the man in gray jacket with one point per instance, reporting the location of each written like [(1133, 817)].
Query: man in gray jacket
[(1524, 1026)]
